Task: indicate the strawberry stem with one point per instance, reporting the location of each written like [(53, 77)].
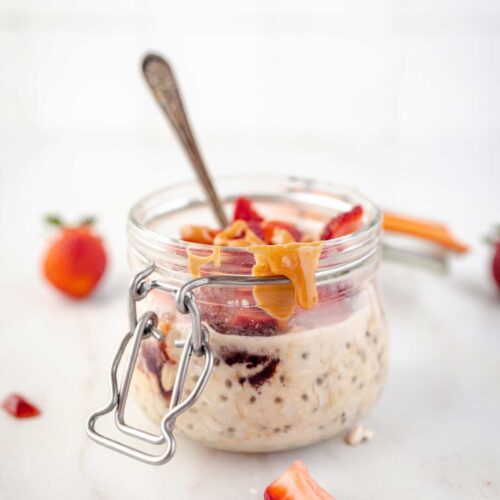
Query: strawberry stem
[(88, 221), (54, 220)]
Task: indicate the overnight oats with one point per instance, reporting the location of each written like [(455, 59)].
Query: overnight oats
[(295, 362)]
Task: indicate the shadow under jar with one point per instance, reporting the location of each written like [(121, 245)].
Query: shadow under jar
[(275, 385)]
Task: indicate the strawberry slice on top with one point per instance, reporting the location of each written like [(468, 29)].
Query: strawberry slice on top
[(343, 224), (244, 210), (296, 484)]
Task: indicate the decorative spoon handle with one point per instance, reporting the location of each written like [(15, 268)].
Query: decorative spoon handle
[(161, 80)]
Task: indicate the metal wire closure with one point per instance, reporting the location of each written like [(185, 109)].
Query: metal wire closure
[(197, 343), (140, 329)]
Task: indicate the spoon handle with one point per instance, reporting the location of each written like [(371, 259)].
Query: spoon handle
[(161, 80)]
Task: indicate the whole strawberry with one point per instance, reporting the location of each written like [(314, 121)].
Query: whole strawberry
[(75, 260), (495, 265), (493, 239)]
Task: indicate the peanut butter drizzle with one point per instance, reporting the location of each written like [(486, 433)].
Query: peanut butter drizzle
[(196, 261), (197, 234), (298, 262), (238, 234)]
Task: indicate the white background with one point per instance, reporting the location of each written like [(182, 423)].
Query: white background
[(399, 99)]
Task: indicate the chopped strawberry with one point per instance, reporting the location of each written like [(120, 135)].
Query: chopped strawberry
[(345, 223), (256, 227), (271, 225), (249, 321), (296, 484), (19, 407), (243, 210), (334, 291)]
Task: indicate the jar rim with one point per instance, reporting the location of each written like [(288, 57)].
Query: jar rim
[(138, 223)]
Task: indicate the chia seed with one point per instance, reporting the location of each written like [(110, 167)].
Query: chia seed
[(229, 384), (305, 397), (278, 400)]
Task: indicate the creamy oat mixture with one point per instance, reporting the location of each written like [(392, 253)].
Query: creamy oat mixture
[(274, 392)]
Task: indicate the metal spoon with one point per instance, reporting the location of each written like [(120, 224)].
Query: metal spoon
[(161, 80)]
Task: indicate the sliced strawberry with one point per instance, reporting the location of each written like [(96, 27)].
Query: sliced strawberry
[(19, 407), (345, 223), (271, 225), (253, 321), (243, 210), (296, 484)]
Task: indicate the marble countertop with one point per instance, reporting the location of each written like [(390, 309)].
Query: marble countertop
[(436, 425), (402, 103)]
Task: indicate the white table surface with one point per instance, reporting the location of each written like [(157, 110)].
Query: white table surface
[(402, 103)]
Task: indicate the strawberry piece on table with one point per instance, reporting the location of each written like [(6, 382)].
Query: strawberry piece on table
[(244, 210), (75, 260), (296, 484), (19, 407), (271, 225), (343, 224)]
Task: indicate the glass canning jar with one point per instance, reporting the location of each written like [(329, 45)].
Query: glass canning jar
[(273, 386)]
